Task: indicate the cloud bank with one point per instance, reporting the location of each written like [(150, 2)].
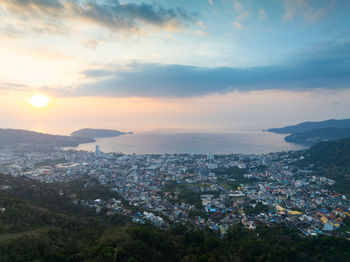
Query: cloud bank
[(322, 66)]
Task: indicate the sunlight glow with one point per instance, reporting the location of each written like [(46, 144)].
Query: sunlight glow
[(38, 101)]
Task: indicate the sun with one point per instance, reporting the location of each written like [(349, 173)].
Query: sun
[(39, 101)]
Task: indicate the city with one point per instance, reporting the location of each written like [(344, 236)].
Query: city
[(175, 131), (214, 191)]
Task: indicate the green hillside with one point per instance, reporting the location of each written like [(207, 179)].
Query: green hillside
[(332, 160), (42, 224), (314, 136), (310, 133), (19, 136)]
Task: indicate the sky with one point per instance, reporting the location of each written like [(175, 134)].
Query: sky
[(185, 65)]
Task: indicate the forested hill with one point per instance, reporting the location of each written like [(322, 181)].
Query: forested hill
[(39, 222), (314, 136), (306, 126), (97, 133), (310, 133), (19, 136), (331, 159)]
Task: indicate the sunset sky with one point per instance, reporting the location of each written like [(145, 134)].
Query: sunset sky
[(198, 65)]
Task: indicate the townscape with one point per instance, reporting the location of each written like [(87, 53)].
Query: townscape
[(214, 191)]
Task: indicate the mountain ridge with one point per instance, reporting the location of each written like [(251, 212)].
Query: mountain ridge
[(311, 125), (9, 136), (310, 133)]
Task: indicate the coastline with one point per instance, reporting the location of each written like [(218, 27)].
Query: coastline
[(197, 143)]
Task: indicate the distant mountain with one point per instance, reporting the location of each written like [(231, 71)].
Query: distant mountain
[(309, 133), (314, 136), (97, 133), (307, 126), (331, 159), (18, 136)]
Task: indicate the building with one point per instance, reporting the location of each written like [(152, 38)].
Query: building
[(97, 151)]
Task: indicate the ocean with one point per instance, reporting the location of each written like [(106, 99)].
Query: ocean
[(197, 143)]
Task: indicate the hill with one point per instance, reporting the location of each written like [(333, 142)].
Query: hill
[(310, 133), (314, 136), (40, 222), (332, 160), (19, 136), (97, 133), (307, 126)]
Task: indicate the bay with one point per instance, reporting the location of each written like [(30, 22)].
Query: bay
[(198, 143)]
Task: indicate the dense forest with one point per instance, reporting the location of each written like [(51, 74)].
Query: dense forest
[(42, 223)]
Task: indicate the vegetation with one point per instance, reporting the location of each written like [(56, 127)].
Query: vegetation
[(317, 135), (309, 133), (232, 177), (17, 136), (40, 224), (186, 193), (346, 227), (332, 160), (96, 133), (257, 209), (307, 126)]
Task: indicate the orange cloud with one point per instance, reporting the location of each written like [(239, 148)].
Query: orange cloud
[(112, 15)]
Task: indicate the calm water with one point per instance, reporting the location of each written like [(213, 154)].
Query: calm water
[(147, 143)]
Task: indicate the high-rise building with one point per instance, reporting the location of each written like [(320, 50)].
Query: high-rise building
[(97, 151)]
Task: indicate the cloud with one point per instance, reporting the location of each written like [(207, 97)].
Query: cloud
[(33, 7), (238, 25), (242, 14), (200, 33), (202, 25), (90, 43), (97, 73), (13, 87), (262, 14), (306, 9), (110, 14), (238, 6), (324, 66)]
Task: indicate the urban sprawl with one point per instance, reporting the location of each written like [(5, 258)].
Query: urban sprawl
[(214, 191)]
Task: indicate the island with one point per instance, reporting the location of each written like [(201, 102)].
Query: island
[(98, 133)]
